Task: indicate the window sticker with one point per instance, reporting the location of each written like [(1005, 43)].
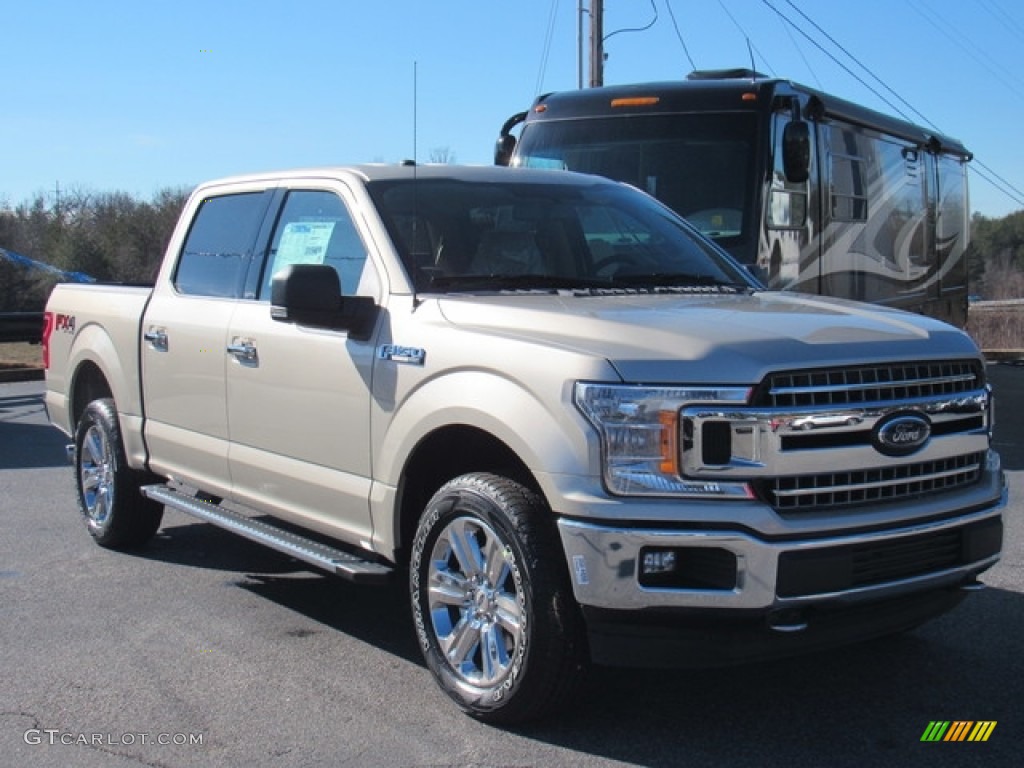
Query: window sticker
[(303, 242)]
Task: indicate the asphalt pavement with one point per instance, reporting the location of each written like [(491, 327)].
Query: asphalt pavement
[(207, 650)]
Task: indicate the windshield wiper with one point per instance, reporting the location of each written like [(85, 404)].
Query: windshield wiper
[(677, 280), (513, 282)]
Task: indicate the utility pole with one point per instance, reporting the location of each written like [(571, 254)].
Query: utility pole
[(580, 10), (596, 43)]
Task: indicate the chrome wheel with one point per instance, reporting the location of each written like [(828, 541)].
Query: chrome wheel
[(491, 601), (116, 514), (96, 474), (476, 601)]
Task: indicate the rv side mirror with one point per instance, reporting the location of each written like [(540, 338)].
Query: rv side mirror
[(796, 151), (310, 294), (503, 149), (506, 143)]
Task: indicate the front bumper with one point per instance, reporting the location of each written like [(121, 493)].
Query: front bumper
[(852, 585), (605, 564)]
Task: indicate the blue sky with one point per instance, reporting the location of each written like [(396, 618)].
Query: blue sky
[(138, 95)]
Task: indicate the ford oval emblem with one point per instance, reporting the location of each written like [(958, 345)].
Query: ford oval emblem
[(902, 434)]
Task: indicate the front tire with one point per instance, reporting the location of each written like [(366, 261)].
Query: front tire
[(116, 514), (491, 600)]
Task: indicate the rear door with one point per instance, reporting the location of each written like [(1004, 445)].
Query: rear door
[(298, 397), (184, 338)]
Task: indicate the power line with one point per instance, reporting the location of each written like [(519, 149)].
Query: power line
[(845, 68), (644, 28), (552, 15), (682, 42), (1003, 186), (1006, 20), (800, 50), (979, 56), (746, 36), (860, 64), (977, 166), (987, 173)]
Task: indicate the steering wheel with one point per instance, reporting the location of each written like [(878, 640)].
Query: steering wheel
[(639, 262)]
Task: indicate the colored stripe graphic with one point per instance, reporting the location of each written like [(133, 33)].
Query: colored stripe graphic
[(935, 731), (959, 730), (982, 730)]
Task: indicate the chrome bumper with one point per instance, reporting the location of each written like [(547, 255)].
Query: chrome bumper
[(605, 564)]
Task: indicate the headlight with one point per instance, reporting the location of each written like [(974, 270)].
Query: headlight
[(642, 439)]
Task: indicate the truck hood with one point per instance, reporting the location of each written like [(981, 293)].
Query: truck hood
[(712, 339)]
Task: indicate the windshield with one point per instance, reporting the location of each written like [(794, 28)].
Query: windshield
[(701, 166), (456, 235)]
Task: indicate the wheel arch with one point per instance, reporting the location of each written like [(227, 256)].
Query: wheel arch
[(103, 365), (89, 383), (442, 455)]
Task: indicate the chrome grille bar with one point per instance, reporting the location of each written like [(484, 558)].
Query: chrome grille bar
[(855, 487), (899, 381)]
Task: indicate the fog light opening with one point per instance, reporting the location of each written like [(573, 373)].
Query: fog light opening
[(658, 561), (691, 568)]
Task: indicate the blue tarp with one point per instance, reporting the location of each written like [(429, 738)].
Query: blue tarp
[(27, 263)]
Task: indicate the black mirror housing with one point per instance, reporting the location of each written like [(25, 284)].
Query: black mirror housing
[(796, 151), (503, 149), (310, 294)]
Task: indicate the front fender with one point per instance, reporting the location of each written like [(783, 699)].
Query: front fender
[(545, 434)]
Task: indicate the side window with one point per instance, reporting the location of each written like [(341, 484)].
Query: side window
[(219, 245), (850, 169), (316, 228)]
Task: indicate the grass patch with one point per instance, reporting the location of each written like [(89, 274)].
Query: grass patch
[(21, 355), (997, 330)]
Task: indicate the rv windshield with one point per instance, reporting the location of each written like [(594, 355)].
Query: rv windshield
[(699, 165)]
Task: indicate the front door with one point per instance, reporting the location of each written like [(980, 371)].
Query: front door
[(298, 397)]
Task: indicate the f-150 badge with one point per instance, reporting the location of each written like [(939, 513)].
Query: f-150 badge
[(398, 354)]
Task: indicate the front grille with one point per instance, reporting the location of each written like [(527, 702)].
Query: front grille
[(836, 569), (870, 384), (791, 495)]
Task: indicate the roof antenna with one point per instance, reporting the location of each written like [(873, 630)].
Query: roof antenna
[(753, 69), (413, 161), (415, 174), (415, 116)]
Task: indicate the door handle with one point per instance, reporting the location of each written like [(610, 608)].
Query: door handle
[(156, 338), (244, 351)]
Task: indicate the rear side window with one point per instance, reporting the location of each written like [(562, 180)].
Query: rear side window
[(219, 246)]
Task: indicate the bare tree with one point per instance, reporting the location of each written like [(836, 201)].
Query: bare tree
[(442, 156)]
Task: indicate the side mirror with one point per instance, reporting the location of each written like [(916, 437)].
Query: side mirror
[(796, 151), (310, 294), (506, 143), (503, 149)]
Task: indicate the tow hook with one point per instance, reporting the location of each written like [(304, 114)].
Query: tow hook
[(973, 586), (787, 620)]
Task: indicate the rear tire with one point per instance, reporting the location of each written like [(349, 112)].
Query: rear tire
[(116, 514), (491, 600)]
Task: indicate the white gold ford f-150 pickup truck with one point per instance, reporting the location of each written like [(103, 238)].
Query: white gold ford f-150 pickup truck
[(584, 431)]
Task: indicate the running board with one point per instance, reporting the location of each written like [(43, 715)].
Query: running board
[(344, 564)]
